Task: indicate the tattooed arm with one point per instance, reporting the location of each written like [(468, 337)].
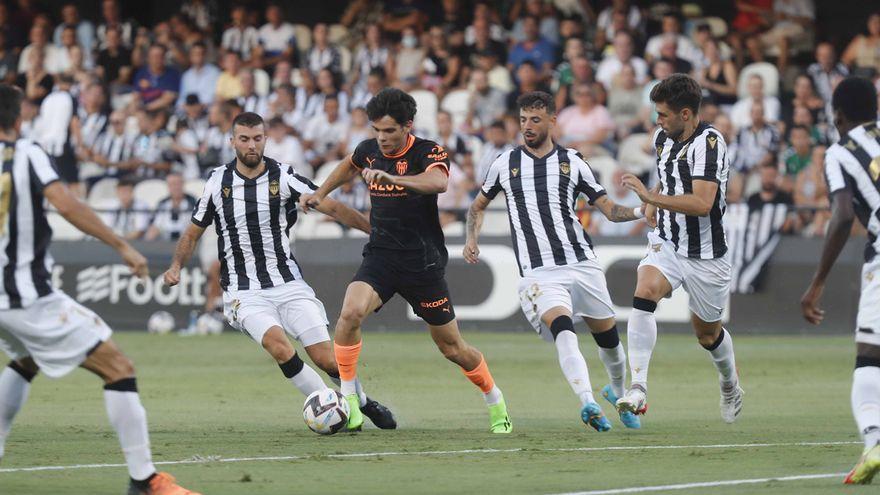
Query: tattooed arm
[(616, 212), (474, 224)]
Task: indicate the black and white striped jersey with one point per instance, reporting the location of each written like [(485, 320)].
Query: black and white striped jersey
[(541, 193), (701, 157), (172, 220), (251, 217), (24, 231), (91, 126), (116, 148), (853, 164)]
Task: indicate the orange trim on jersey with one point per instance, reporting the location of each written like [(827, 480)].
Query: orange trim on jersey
[(439, 164), (352, 163), (410, 139)]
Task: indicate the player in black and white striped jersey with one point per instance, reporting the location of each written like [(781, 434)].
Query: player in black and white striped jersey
[(250, 201), (687, 249), (852, 170), (42, 328), (560, 276)]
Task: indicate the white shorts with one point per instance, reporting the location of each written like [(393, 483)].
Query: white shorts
[(580, 288), (292, 306), (56, 331), (868, 320), (707, 282)]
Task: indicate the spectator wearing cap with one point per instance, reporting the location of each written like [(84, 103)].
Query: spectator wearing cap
[(201, 77), (157, 84), (741, 113), (128, 216), (533, 48), (240, 37), (623, 54)]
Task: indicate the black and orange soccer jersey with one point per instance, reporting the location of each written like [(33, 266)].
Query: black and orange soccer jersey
[(405, 224)]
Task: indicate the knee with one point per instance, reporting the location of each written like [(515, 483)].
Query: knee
[(120, 368), (650, 291), (277, 345), (350, 317), (707, 339)]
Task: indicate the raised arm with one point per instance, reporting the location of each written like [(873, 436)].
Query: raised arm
[(475, 214), (344, 172), (182, 253)]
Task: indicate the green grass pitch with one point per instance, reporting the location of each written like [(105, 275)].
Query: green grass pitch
[(222, 397)]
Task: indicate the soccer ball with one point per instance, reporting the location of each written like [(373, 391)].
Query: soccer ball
[(326, 411), (209, 324), (160, 322)]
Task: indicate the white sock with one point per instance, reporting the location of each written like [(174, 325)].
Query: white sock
[(866, 403), (573, 365), (494, 396), (129, 419), (724, 359), (359, 389), (307, 380), (614, 360), (641, 331), (13, 393)]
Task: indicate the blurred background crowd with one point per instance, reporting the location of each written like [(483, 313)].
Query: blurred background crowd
[(137, 113)]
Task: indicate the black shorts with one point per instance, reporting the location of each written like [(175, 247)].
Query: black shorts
[(427, 292), (68, 168)]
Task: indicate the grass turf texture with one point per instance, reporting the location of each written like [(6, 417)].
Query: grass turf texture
[(222, 396)]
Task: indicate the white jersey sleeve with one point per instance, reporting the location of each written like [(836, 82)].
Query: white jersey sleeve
[(584, 179), (492, 182), (708, 153), (41, 165), (203, 213), (295, 185), (835, 175)]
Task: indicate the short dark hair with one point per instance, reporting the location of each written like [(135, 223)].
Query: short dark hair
[(275, 122), (247, 119), (496, 124), (536, 100), (394, 103), (129, 180), (856, 99), (799, 126), (10, 105), (378, 72), (199, 44), (678, 91)]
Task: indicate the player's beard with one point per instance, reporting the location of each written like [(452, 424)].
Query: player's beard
[(249, 161), (536, 141)]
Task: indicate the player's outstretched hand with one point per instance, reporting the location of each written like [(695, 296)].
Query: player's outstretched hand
[(172, 276), (471, 252), (309, 201), (635, 185), (135, 261), (380, 177), (810, 304)]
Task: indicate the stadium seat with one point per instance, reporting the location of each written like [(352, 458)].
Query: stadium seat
[(62, 230), (632, 157), (262, 82), (457, 103), (496, 223), (323, 172), (103, 190), (327, 230), (603, 166), (194, 187), (303, 36), (426, 115), (499, 203), (337, 34), (717, 25), (767, 71), (454, 229), (151, 191)]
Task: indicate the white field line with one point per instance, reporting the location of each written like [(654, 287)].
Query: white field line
[(208, 459), (706, 484)]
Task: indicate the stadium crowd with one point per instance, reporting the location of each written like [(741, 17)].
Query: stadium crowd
[(111, 99)]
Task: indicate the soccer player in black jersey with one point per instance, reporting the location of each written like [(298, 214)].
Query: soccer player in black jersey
[(406, 253)]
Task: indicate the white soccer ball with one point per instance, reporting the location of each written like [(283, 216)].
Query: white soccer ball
[(160, 322), (326, 411), (209, 324)]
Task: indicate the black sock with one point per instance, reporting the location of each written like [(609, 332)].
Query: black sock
[(561, 324), (609, 339), (143, 484), (292, 367)]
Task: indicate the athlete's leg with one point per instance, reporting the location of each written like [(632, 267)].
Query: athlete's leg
[(301, 375), (866, 392), (360, 300), (15, 383), (651, 286), (611, 351), (322, 355), (571, 361), (717, 340)]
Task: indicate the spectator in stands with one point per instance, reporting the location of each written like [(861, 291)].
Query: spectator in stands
[(11, 31), (328, 84), (495, 144), (128, 216), (811, 196), (283, 74), (322, 55), (625, 101), (8, 61), (215, 149), (408, 61), (499, 76), (619, 16), (185, 151), (277, 39), (240, 36), (581, 73), (113, 65), (376, 80), (112, 20), (371, 55), (479, 38), (804, 96), (623, 54), (441, 66), (793, 22), (741, 112), (486, 103), (152, 145), (770, 193), (193, 116), (353, 194), (90, 121), (172, 215), (757, 145), (533, 48), (359, 130), (600, 225), (322, 132), (719, 77), (671, 30), (83, 29), (826, 71), (669, 52), (456, 145), (863, 52), (586, 125), (284, 106), (200, 78), (548, 25), (113, 150), (39, 40), (819, 133), (573, 49), (286, 148), (528, 79), (796, 156), (156, 82), (250, 101), (52, 130), (70, 49), (35, 82), (228, 86)]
